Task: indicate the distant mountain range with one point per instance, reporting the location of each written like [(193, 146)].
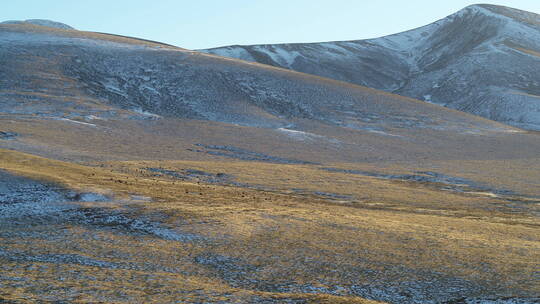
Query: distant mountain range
[(484, 60)]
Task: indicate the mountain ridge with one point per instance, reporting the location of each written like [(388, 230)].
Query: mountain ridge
[(400, 63), (115, 87), (41, 22)]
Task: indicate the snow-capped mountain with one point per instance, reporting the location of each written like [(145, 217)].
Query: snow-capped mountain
[(483, 60), (52, 72)]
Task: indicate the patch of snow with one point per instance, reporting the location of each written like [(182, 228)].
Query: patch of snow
[(384, 133), (306, 136), (12, 212), (278, 54), (299, 134), (93, 117), (333, 49), (286, 56), (103, 217), (145, 113), (488, 194), (149, 88), (232, 52), (140, 198), (409, 42), (372, 130), (112, 86), (77, 122), (92, 197), (21, 199), (502, 301), (512, 25)]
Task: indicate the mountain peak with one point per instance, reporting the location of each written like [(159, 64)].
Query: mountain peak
[(485, 5), (482, 59), (485, 9), (40, 22), (504, 11)]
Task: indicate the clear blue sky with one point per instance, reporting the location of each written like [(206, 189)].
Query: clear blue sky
[(195, 24)]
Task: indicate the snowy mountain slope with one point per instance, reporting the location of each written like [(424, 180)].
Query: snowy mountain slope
[(483, 60), (52, 73)]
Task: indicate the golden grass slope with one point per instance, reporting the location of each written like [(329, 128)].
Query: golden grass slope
[(290, 237)]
